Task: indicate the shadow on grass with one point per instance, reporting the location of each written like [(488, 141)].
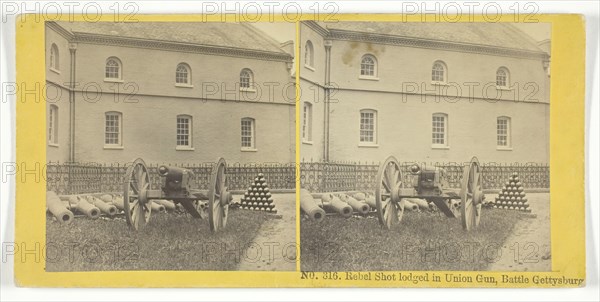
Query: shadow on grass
[(422, 241), (168, 242)]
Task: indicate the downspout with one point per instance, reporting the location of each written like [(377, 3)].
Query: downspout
[(72, 50), (327, 99)]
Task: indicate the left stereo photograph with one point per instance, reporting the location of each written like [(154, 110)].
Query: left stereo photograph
[(170, 146)]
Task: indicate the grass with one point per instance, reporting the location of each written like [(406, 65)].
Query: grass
[(169, 242), (422, 241)]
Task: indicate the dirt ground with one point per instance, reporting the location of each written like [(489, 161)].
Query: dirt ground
[(275, 243), (528, 247)]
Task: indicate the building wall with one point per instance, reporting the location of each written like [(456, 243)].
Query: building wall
[(58, 95), (400, 68), (150, 101), (405, 98), (313, 94), (149, 130), (213, 77), (404, 129)]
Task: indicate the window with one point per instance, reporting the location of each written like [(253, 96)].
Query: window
[(53, 125), (54, 58), (502, 79), (368, 66), (246, 79), (307, 122), (248, 134), (439, 131), (184, 131), (368, 127), (113, 129), (503, 132), (113, 69), (309, 55), (438, 72), (183, 74)]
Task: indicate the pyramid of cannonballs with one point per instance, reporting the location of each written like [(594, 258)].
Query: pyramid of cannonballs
[(258, 196), (512, 196)]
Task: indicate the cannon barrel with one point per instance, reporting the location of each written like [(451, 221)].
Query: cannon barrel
[(359, 206), (310, 207), (104, 207), (58, 208), (422, 203), (155, 207), (370, 200), (83, 206), (332, 203), (169, 206), (408, 205)]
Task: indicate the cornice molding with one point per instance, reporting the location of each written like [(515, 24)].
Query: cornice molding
[(316, 27), (60, 30), (183, 47), (434, 44)]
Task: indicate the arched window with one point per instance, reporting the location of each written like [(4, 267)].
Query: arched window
[(439, 130), (368, 127), (368, 66), (309, 54), (183, 74), (503, 132), (502, 77), (184, 132), (439, 72), (54, 57), (113, 69), (246, 78), (113, 129), (248, 134), (53, 125), (307, 122)]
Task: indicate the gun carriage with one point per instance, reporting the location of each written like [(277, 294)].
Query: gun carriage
[(431, 185), (176, 185)]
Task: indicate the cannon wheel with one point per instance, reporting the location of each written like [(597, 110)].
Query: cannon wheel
[(135, 189), (471, 195), (389, 182), (218, 197)]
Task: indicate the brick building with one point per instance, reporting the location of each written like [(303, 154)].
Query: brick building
[(168, 92), (423, 92)]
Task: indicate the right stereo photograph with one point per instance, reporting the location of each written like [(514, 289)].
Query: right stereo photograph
[(424, 147)]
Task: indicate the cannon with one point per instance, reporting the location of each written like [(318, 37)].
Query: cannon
[(177, 186), (431, 185)]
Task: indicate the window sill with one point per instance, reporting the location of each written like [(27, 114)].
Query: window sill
[(184, 85), (368, 145), (309, 67), (440, 147), (247, 89), (438, 83), (504, 148), (503, 88), (248, 150), (307, 142), (113, 80), (113, 147), (184, 148), (55, 70), (368, 78), (53, 145)]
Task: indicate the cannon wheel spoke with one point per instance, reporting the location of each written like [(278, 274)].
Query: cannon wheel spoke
[(389, 179), (135, 187), (471, 191)]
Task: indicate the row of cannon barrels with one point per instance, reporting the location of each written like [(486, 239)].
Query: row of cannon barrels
[(347, 205), (93, 206)]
